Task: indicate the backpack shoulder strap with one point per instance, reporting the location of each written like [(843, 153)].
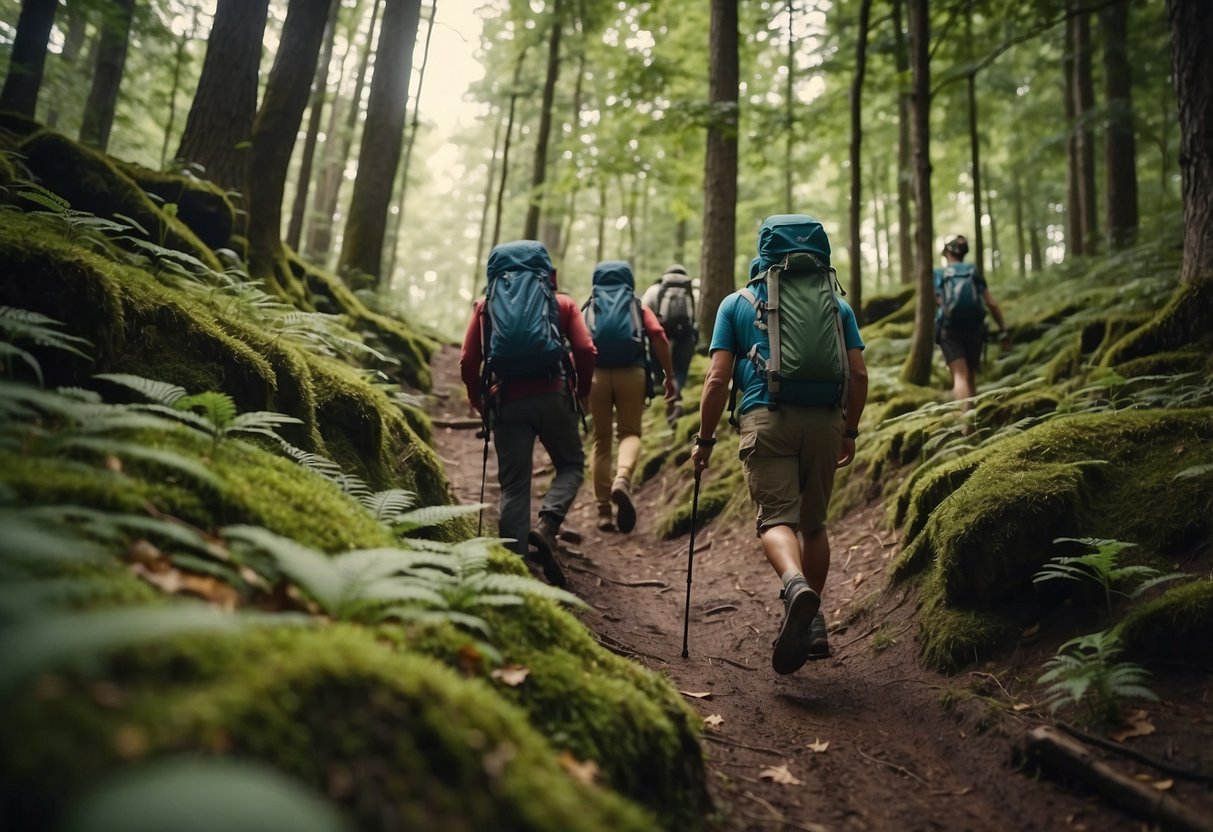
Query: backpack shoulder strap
[(773, 317)]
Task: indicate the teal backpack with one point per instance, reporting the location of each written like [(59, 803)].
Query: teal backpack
[(614, 317), (800, 344), (522, 337), (960, 300)]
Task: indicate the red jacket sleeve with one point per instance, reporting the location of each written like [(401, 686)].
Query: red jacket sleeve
[(471, 355), (653, 327), (584, 351)]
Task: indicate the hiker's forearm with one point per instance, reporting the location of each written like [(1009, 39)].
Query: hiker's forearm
[(996, 311), (661, 350), (715, 392), (857, 390)]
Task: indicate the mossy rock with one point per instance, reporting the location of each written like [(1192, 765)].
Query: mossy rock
[(14, 127), (1183, 322), (993, 413), (1167, 363), (90, 182), (395, 739), (983, 525), (1175, 625), (891, 307), (203, 206)]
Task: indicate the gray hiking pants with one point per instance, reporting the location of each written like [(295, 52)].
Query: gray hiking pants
[(551, 418)]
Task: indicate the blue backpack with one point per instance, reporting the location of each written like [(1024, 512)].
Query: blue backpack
[(523, 337), (960, 298), (613, 315)]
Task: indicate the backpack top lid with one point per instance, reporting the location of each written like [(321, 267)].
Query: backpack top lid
[(519, 256), (782, 234), (614, 273), (677, 269), (755, 267)]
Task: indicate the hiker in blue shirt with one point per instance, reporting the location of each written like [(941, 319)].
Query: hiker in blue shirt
[(788, 451), (961, 300)]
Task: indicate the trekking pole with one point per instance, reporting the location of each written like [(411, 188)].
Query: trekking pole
[(484, 470), (686, 615)]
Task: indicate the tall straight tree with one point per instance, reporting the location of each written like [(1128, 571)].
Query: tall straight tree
[(1084, 106), (1120, 148), (720, 164), (337, 153), (905, 176), (1074, 236), (979, 240), (861, 65), (515, 91), (102, 99), (274, 134), (917, 368), (73, 45), (789, 103), (27, 59), (220, 123), (382, 138), (294, 228), (1192, 69), (179, 59), (539, 169)]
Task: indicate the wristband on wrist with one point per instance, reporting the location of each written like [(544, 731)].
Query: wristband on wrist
[(703, 441)]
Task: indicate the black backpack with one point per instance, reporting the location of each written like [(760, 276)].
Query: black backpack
[(676, 306)]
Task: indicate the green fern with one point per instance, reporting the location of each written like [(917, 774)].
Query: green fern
[(389, 506), (20, 325), (1085, 670), (430, 516), (1102, 567)]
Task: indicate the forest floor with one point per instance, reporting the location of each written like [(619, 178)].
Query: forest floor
[(864, 740)]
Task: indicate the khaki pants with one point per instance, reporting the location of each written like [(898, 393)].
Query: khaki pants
[(789, 457), (615, 392)]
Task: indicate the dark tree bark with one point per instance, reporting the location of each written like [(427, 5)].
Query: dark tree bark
[(861, 65), (220, 123), (73, 44), (320, 232), (979, 240), (1084, 105), (539, 169), (917, 368), (905, 176), (102, 99), (274, 134), (27, 61), (571, 214), (1074, 237), (1020, 239), (515, 91), (294, 228), (178, 62), (382, 139), (1192, 65), (1120, 147), (720, 165), (680, 240)]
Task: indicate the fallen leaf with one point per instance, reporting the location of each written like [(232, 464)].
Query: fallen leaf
[(583, 772), (713, 720), (1031, 631), (1163, 785), (512, 675), (1136, 724), (818, 746), (706, 694), (1020, 706), (858, 579), (779, 774)]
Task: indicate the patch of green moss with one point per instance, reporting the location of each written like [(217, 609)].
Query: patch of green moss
[(201, 205), (1167, 363), (996, 412), (1182, 322), (1175, 625), (891, 307), (952, 637), (14, 127), (395, 739), (90, 182), (1067, 362)]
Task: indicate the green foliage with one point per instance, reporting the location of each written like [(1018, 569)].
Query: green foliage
[(1086, 670), (20, 325), (1103, 567)]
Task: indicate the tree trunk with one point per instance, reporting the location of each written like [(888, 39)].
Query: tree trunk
[(505, 150), (1084, 106), (1034, 246), (539, 169), (382, 139), (1074, 238), (720, 164), (905, 176), (183, 42), (917, 368), (1120, 148), (790, 115), (102, 99), (979, 240), (294, 228), (680, 240), (324, 207), (995, 252), (412, 141), (1192, 68), (600, 251), (489, 180), (274, 134), (861, 62), (1020, 241), (220, 123), (27, 60), (571, 216), (73, 45)]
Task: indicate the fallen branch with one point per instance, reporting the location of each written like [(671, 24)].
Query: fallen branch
[(457, 424), (730, 661), (1117, 748), (723, 740), (721, 608), (1058, 753), (584, 571), (895, 766)]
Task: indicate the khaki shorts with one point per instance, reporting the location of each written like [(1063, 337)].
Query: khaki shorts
[(789, 457)]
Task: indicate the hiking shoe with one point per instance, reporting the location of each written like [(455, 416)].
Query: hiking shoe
[(800, 605), (543, 538), (622, 498), (606, 519), (819, 646)]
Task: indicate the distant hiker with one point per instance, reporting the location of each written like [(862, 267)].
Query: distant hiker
[(962, 298), (621, 326), (792, 348), (520, 376), (672, 299)]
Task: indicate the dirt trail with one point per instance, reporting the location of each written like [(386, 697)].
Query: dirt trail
[(865, 732)]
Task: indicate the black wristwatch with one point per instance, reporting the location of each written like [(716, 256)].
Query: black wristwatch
[(851, 434), (705, 441)]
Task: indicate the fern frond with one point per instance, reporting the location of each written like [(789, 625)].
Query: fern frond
[(430, 516), (259, 421), (423, 616), (8, 351), (217, 408), (311, 570), (160, 392), (161, 458), (387, 506)]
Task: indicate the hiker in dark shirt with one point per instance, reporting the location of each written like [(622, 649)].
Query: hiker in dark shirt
[(962, 298)]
